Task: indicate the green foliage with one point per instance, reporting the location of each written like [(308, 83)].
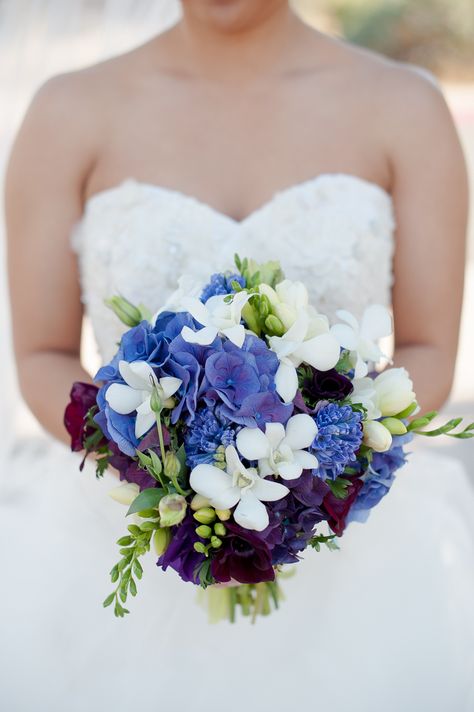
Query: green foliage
[(147, 499), (339, 487), (326, 540), (132, 546), (95, 443)]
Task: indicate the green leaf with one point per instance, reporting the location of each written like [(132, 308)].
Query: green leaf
[(147, 499), (339, 487), (143, 459), (125, 541), (408, 411), (137, 569), (133, 587), (181, 455), (109, 600)]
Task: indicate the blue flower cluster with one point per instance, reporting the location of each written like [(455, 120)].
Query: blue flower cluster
[(208, 431), (221, 283), (338, 439), (379, 478)]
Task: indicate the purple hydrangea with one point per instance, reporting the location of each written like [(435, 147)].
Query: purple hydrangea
[(208, 431), (221, 284), (338, 439)]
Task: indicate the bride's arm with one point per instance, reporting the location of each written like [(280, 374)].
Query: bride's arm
[(431, 203), (50, 160)]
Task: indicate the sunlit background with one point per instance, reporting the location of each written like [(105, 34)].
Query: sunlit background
[(39, 38)]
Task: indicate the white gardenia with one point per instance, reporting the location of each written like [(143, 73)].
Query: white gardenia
[(219, 315), (388, 394), (361, 339), (287, 300), (135, 393), (280, 451), (309, 340), (237, 485)]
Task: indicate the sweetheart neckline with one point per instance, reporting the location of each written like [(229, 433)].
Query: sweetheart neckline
[(127, 182)]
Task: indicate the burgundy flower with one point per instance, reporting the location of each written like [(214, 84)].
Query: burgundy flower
[(243, 557), (338, 509), (326, 385), (83, 398)]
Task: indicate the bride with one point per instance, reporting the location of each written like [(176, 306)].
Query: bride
[(238, 129)]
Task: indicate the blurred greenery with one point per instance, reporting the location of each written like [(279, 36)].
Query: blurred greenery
[(436, 34)]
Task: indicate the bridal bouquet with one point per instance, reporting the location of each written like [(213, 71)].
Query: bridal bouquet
[(247, 429)]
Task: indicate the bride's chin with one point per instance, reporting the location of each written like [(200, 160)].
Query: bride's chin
[(231, 15)]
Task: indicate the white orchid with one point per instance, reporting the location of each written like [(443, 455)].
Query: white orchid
[(221, 314), (188, 288), (361, 339), (287, 300), (280, 451), (237, 485), (386, 395), (309, 340), (135, 393)]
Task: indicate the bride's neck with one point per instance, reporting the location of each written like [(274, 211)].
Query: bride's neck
[(239, 53)]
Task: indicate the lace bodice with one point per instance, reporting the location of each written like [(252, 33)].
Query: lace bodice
[(334, 232)]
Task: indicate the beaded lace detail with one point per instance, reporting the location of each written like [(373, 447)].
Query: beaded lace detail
[(333, 232)]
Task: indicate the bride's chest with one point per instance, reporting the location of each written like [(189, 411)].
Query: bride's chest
[(334, 232)]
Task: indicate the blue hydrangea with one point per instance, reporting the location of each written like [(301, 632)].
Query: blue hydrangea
[(221, 284), (379, 478), (206, 433), (338, 439)]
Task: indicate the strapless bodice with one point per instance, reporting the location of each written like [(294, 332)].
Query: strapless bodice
[(334, 232)]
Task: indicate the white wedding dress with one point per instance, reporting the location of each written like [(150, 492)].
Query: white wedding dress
[(384, 625)]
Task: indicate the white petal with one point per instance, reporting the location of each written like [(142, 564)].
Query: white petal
[(227, 499), (348, 318), (169, 386), (233, 460), (204, 337), (286, 381), (376, 322), (275, 433), (307, 460), (122, 398), (321, 352), (361, 368), (251, 513), (300, 431), (125, 494), (345, 335), (289, 470), (209, 481), (144, 422), (264, 468), (236, 334), (138, 374), (269, 491), (197, 310), (300, 327), (252, 444)]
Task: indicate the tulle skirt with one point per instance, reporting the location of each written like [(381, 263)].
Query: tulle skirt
[(386, 623)]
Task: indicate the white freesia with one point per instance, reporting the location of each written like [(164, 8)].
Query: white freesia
[(287, 300), (361, 339), (221, 314), (135, 393), (237, 485), (394, 391), (125, 494), (377, 436), (280, 451), (309, 340), (188, 288), (388, 394)]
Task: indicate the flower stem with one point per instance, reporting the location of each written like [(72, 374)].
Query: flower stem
[(160, 436)]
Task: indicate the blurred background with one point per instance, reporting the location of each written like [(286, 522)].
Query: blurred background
[(39, 38)]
